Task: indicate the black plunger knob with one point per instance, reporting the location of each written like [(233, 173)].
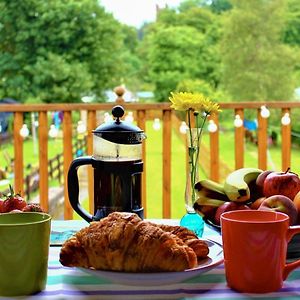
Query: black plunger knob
[(118, 112)]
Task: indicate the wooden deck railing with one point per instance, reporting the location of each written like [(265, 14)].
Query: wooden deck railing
[(142, 112)]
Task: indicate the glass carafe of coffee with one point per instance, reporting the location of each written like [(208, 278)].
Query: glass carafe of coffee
[(118, 166)]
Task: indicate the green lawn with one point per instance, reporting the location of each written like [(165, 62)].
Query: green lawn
[(250, 153), (30, 152), (154, 174)]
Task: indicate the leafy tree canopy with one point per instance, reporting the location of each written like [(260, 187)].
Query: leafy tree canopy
[(170, 60), (292, 32), (220, 6), (180, 46), (257, 65), (57, 50), (292, 29)]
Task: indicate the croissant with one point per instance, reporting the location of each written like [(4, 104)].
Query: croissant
[(189, 238), (123, 242)]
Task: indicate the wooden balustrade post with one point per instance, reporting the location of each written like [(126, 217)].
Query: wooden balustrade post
[(214, 150), (120, 91), (18, 150), (262, 140), (68, 157), (91, 125), (167, 129), (285, 141), (43, 160), (239, 140), (141, 122)]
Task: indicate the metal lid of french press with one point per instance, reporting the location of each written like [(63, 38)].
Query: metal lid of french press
[(118, 131)]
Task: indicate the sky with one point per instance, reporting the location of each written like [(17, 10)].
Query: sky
[(135, 12)]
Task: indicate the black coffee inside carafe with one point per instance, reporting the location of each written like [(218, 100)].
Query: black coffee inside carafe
[(117, 187)]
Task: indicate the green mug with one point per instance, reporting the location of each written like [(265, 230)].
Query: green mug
[(24, 248)]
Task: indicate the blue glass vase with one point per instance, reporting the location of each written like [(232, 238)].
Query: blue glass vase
[(193, 222)]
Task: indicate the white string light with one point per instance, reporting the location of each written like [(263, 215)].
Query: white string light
[(286, 120), (24, 131), (107, 117), (183, 128), (238, 122), (81, 128), (53, 132), (212, 126), (129, 118), (156, 124), (264, 112)]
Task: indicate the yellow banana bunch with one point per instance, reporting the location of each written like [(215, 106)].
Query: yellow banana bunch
[(239, 186), (211, 195), (210, 192), (236, 185)]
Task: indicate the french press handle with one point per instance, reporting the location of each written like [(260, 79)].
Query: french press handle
[(73, 186)]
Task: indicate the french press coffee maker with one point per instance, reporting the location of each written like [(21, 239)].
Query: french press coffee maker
[(118, 166)]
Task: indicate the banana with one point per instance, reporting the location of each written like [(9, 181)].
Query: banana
[(236, 185), (210, 193), (209, 184), (202, 200)]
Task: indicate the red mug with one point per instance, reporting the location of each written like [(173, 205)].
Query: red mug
[(255, 248)]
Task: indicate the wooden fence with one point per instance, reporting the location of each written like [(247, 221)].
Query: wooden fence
[(142, 112), (55, 169)]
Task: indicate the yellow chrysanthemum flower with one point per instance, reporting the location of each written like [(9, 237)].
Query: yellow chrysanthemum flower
[(184, 101), (191, 103)]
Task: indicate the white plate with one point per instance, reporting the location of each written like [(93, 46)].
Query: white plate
[(214, 258)]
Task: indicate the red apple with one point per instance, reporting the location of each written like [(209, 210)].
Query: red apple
[(282, 183), (260, 180), (282, 204), (256, 204), (228, 206)]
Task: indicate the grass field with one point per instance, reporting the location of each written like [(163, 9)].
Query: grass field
[(155, 181)]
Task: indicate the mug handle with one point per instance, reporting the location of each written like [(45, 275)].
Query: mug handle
[(292, 230), (73, 186)]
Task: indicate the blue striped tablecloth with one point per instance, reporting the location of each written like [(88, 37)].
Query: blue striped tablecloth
[(72, 283)]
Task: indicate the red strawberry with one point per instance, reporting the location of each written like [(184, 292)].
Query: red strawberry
[(1, 206), (13, 201), (32, 207)]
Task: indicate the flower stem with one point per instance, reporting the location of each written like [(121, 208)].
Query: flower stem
[(199, 133), (194, 148)]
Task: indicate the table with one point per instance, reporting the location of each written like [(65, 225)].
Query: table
[(71, 283)]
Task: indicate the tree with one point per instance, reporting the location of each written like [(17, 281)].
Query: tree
[(181, 46), (292, 31), (220, 6), (132, 63), (198, 18), (292, 28), (171, 57), (256, 64), (57, 50)]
